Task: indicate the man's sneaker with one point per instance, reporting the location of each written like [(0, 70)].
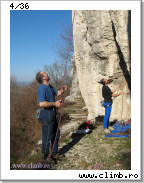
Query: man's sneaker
[(111, 128), (106, 130)]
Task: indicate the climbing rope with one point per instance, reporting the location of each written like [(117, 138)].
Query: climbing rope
[(63, 85), (130, 105), (122, 100)]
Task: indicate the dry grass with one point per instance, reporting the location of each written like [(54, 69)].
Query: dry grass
[(24, 127)]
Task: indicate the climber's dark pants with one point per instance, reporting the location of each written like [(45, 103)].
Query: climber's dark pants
[(48, 135)]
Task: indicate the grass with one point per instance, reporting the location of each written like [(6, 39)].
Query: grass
[(32, 158), (95, 150), (65, 141), (100, 152), (92, 151)]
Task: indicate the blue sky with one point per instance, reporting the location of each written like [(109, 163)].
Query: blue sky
[(33, 36)]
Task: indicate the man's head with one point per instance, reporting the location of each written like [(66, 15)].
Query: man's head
[(104, 81), (42, 76)]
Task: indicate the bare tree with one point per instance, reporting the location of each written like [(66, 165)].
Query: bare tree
[(57, 69), (62, 47), (13, 82), (56, 74)]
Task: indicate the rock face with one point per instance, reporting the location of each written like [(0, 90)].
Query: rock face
[(102, 50)]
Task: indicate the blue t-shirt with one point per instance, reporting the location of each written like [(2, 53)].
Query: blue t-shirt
[(46, 93)]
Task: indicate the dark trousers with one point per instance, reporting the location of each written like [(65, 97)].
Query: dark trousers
[(48, 135)]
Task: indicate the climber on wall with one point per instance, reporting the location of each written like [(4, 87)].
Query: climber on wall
[(107, 94)]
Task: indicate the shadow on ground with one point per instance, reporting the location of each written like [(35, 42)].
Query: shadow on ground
[(99, 120), (75, 139), (125, 158)]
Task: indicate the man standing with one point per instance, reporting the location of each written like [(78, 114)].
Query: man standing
[(46, 96), (107, 94)]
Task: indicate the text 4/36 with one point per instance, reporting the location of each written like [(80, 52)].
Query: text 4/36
[(19, 6)]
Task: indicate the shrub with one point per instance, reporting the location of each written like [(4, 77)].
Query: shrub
[(25, 129)]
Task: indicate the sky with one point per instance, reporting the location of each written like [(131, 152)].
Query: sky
[(33, 36)]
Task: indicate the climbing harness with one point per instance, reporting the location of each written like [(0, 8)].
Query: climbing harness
[(63, 85)]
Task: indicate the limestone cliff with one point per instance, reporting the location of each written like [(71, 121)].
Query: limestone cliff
[(102, 50)]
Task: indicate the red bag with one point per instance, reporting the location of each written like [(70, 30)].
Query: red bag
[(85, 125)]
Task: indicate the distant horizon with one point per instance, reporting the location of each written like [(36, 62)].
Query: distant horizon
[(23, 83)]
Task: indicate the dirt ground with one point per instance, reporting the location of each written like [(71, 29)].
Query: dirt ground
[(92, 151)]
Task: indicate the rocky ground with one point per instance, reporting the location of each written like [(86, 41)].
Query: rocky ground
[(87, 151)]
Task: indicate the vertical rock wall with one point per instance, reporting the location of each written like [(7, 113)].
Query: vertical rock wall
[(102, 50), (75, 91)]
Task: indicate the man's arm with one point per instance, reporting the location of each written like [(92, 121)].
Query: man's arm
[(115, 95), (60, 92), (49, 104), (115, 88)]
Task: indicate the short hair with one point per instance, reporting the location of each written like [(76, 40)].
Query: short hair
[(102, 81), (39, 76)]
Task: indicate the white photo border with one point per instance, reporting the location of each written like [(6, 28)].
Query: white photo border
[(134, 6)]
